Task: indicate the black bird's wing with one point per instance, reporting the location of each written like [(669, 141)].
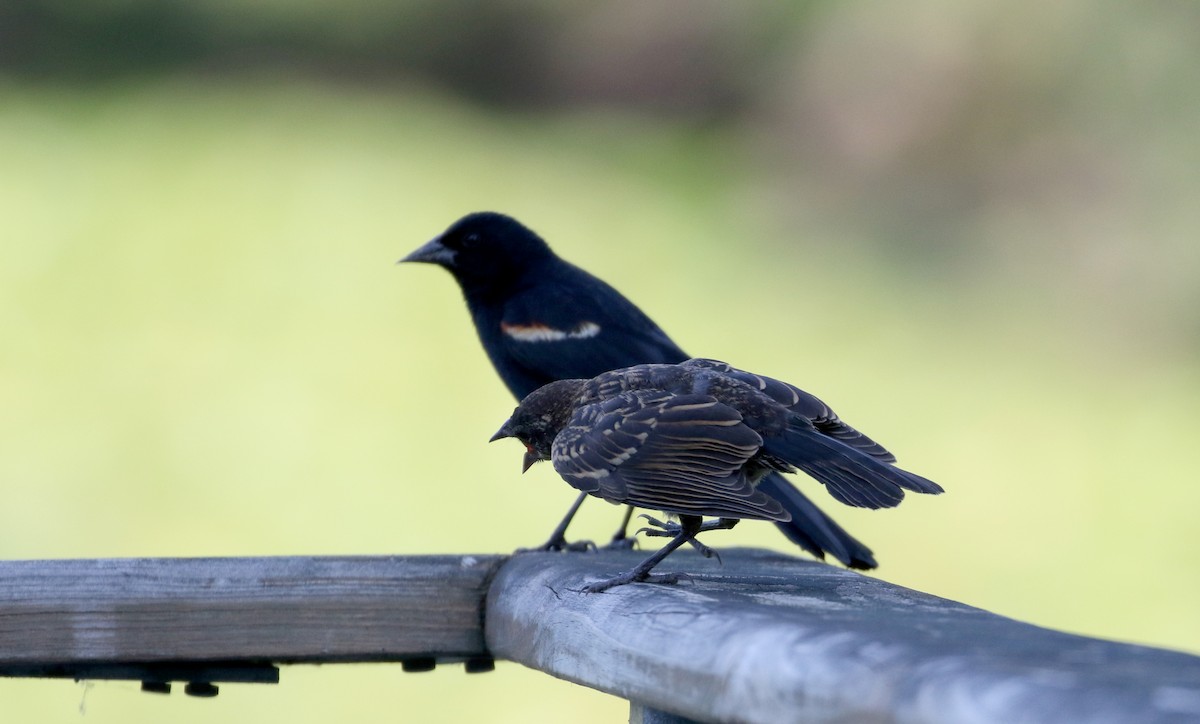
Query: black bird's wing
[(823, 418), (572, 325), (678, 453)]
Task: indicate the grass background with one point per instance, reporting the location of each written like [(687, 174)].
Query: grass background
[(207, 350)]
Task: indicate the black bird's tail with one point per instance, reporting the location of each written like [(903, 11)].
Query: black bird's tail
[(812, 530), (851, 476)]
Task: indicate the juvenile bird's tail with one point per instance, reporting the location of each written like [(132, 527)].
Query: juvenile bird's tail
[(811, 529), (850, 475)]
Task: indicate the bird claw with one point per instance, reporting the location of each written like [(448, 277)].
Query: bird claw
[(561, 546), (706, 551), (660, 529), (656, 533), (670, 530), (625, 543), (632, 577)]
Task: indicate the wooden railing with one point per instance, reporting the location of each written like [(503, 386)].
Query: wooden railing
[(761, 638)]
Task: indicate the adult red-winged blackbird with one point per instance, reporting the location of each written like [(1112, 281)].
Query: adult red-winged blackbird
[(542, 319), (694, 439)]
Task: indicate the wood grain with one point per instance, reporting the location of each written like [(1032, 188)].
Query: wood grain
[(281, 609), (768, 638), (761, 638)]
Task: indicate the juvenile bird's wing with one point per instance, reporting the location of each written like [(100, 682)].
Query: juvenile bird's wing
[(653, 449), (850, 476), (823, 418)]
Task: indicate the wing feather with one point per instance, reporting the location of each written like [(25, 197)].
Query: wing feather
[(802, 403), (655, 449)]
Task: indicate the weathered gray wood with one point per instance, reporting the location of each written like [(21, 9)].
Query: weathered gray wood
[(762, 638), (768, 638), (642, 714), (67, 616)]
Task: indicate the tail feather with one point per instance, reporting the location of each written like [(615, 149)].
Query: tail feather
[(855, 439), (850, 475), (812, 530)]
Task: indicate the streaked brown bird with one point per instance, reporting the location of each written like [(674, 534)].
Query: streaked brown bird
[(694, 439)]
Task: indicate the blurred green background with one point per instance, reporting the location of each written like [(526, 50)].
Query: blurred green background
[(971, 227)]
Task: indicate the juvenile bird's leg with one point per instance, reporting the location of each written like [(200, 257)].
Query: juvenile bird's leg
[(558, 539), (668, 529), (689, 525)]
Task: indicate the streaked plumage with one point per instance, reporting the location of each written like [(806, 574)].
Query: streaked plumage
[(696, 439)]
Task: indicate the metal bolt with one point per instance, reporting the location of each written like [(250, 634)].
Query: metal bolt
[(156, 687), (201, 689), (414, 665), (479, 665)]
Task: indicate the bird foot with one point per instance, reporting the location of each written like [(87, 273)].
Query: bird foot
[(670, 530), (633, 576), (561, 545), (660, 529), (620, 543), (706, 551)]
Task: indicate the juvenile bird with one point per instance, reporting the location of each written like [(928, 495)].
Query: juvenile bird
[(542, 319), (696, 439)]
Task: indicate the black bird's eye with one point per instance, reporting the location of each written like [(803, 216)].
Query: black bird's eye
[(470, 240)]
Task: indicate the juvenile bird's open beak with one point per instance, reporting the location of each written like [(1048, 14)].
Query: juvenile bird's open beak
[(504, 431), (435, 252)]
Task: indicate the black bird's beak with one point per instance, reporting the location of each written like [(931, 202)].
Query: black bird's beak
[(435, 252)]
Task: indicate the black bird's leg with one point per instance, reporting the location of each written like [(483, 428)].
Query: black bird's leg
[(621, 540), (558, 539), (689, 525)]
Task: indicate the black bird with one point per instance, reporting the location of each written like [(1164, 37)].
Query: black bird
[(695, 439), (542, 319)]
